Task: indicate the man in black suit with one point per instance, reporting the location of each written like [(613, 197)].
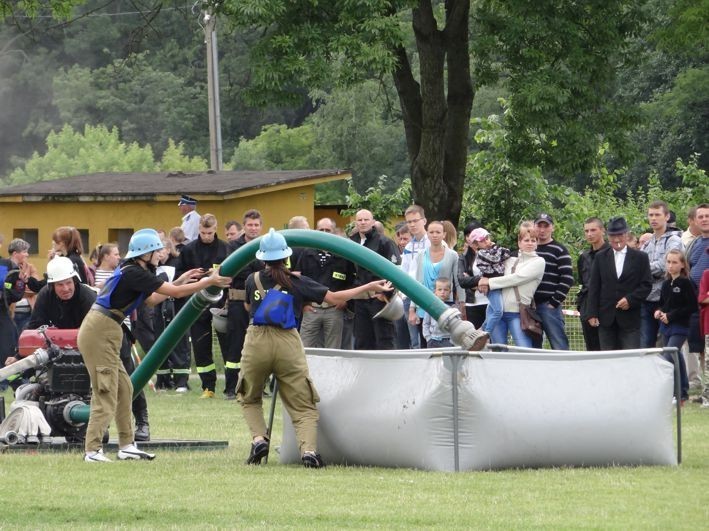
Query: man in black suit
[(620, 282)]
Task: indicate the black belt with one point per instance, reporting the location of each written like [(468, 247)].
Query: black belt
[(118, 318)]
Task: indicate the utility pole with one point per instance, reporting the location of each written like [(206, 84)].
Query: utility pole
[(215, 126)]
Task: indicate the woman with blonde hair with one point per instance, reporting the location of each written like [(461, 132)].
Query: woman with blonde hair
[(523, 273)]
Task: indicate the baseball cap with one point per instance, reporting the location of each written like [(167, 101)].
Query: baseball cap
[(544, 218), (479, 234)]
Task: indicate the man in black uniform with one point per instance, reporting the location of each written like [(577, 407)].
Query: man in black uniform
[(370, 333), (321, 326), (594, 231), (237, 316), (206, 252)]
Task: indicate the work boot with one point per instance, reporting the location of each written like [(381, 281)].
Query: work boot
[(259, 450), (312, 460), (142, 427)]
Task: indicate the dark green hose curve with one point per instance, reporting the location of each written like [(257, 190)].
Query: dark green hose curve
[(246, 254)]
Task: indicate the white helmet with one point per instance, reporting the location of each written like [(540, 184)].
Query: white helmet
[(60, 268)]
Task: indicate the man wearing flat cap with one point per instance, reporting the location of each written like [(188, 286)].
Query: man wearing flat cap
[(620, 282), (190, 217)]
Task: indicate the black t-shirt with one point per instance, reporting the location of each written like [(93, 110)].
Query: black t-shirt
[(135, 280), (52, 311), (302, 289)]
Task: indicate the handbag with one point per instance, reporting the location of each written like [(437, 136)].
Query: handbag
[(530, 322)]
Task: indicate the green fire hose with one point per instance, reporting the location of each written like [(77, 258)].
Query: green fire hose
[(462, 332)]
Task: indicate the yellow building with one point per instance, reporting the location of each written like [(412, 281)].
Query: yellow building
[(108, 207)]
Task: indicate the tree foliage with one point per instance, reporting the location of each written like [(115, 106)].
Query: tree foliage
[(146, 105), (96, 150)]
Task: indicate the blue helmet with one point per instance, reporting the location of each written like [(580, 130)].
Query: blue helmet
[(143, 241), (273, 246)]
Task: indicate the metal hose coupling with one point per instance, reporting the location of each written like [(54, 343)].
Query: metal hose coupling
[(463, 333)]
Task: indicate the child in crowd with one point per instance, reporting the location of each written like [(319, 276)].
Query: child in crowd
[(435, 337), (491, 263), (678, 300)]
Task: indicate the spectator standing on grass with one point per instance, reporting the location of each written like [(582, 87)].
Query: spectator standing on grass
[(66, 241), (438, 261), (108, 257), (491, 263), (415, 218), (662, 241), (698, 260), (232, 230), (401, 325), (322, 323), (689, 237), (435, 336), (371, 333), (207, 253), (19, 253), (237, 315), (554, 288), (190, 218), (174, 373), (594, 232), (468, 277), (620, 282), (703, 299), (13, 289), (523, 273), (678, 301)]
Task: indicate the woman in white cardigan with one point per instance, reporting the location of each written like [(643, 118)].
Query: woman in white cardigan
[(528, 273), (435, 262)]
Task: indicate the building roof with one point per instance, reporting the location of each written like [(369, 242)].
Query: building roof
[(146, 186)]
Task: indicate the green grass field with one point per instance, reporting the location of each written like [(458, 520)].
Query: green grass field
[(214, 489)]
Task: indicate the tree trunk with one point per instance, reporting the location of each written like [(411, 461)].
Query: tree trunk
[(436, 124)]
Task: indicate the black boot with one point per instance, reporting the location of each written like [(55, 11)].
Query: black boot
[(142, 428)]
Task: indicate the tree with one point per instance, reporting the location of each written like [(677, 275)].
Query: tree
[(98, 150), (147, 105), (567, 49), (60, 9)]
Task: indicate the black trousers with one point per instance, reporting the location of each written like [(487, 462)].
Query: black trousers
[(201, 334), (371, 333), (590, 336), (237, 323), (616, 338), (140, 404), (177, 365)]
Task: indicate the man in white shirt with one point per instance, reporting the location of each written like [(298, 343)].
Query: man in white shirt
[(620, 282), (190, 217)]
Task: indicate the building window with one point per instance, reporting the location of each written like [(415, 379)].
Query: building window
[(84, 233), (31, 236), (121, 237)]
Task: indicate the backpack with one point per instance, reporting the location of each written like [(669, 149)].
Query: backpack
[(276, 308)]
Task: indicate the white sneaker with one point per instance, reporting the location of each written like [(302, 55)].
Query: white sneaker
[(132, 452), (96, 457), (181, 390)]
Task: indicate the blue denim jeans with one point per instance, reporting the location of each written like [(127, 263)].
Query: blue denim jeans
[(553, 325), (649, 326), (677, 340), (510, 322), (494, 311), (413, 330)]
